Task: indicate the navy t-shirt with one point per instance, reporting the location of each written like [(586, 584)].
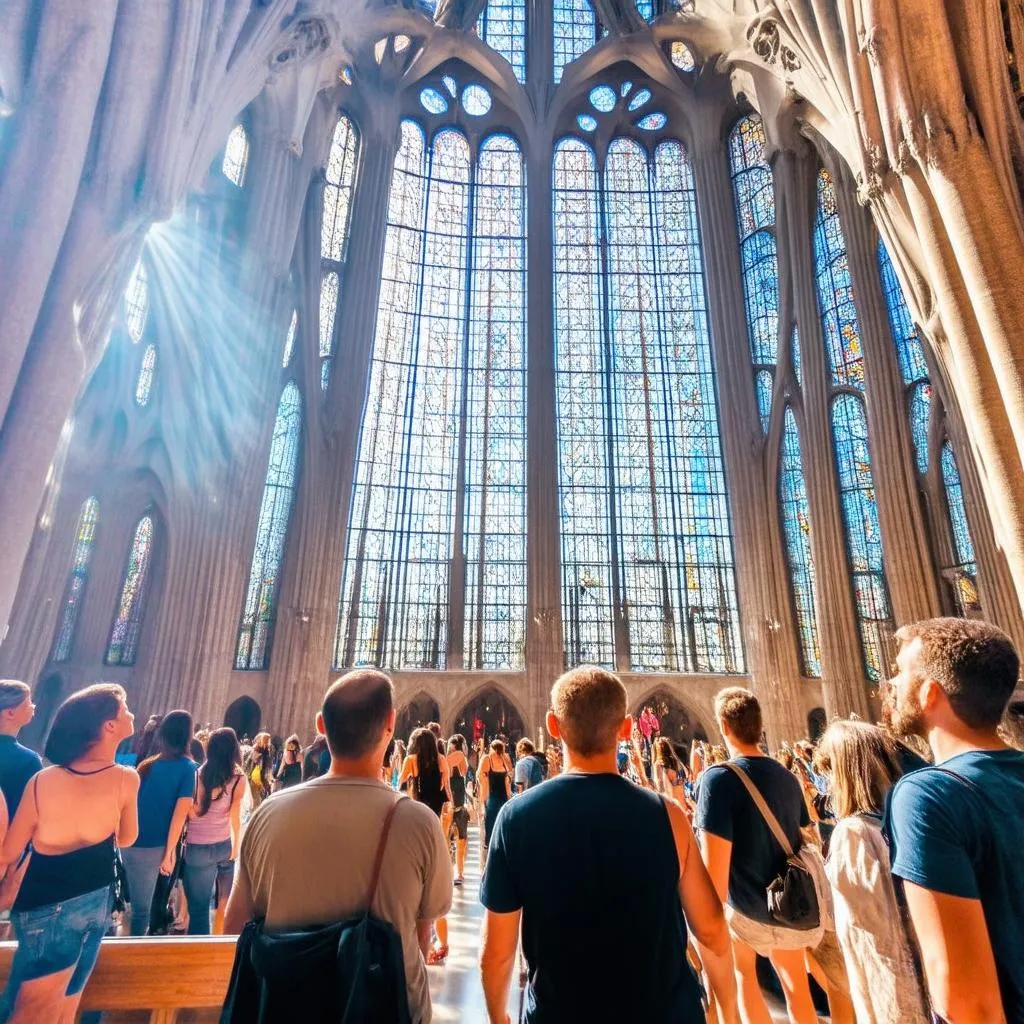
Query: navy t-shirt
[(591, 862), (967, 839), (726, 809), (165, 782), (17, 765)]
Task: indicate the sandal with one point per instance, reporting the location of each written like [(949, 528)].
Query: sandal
[(437, 956)]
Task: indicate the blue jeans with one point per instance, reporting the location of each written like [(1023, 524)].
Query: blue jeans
[(53, 938), (141, 865), (201, 861)]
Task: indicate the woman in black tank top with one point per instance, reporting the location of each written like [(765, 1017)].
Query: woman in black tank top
[(458, 769), (63, 904), (496, 777)]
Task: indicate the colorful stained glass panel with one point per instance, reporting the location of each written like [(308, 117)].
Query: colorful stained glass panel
[(123, 647), (909, 347), (78, 577), (502, 26), (574, 28)]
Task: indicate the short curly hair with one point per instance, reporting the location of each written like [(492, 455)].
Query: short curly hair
[(974, 662)]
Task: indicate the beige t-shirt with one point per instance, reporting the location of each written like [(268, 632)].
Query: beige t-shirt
[(307, 859)]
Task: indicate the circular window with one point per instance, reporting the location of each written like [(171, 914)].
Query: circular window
[(476, 100), (433, 101), (652, 122), (587, 122), (603, 98)]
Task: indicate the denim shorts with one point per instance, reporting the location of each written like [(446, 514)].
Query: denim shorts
[(55, 937)]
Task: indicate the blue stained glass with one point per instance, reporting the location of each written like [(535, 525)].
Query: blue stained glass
[(920, 421), (429, 363), (502, 26), (325, 373), (78, 577), (794, 346), (863, 532), (839, 320), (652, 122), (761, 296), (136, 302), (574, 31), (476, 100), (451, 85), (289, 343), (645, 8), (796, 526), (587, 122), (764, 386), (259, 612), (957, 509), (433, 101), (236, 156), (603, 98), (646, 535), (638, 100), (144, 384), (908, 341), (123, 647), (752, 187), (624, 88)]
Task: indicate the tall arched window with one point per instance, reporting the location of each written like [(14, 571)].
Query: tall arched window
[(965, 571), (78, 576), (442, 448), (260, 609), (574, 31), (647, 560), (136, 302), (123, 647), (144, 383), (796, 526), (841, 328), (502, 27), (754, 197), (236, 156), (339, 182)]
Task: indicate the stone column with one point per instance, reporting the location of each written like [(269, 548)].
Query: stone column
[(843, 679), (761, 574)]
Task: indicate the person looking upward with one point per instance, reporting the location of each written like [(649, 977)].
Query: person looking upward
[(17, 763), (604, 940)]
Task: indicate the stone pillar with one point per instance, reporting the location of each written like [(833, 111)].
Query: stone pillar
[(761, 574), (843, 678)]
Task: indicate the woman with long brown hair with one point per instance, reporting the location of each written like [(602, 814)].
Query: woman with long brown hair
[(426, 772), (74, 814), (495, 789), (863, 763), (667, 771)]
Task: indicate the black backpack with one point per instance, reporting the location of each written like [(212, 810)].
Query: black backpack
[(352, 972)]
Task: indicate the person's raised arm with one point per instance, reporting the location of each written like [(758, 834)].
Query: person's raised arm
[(498, 941), (23, 827), (956, 951), (703, 910), (128, 822)]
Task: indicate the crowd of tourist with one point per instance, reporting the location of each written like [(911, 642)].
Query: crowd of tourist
[(877, 870)]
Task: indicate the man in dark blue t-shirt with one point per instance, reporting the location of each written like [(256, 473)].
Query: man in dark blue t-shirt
[(17, 763), (601, 873), (956, 830)]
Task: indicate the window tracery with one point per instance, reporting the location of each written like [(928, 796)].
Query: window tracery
[(123, 646), (147, 370), (574, 31), (259, 612), (502, 26), (442, 446), (965, 571), (236, 156), (646, 535), (78, 577), (136, 302), (841, 328)]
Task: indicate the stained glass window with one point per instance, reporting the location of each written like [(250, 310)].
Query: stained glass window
[(863, 531), (796, 526), (682, 56), (260, 609), (123, 647), (965, 572), (502, 27), (136, 302), (289, 342), (236, 156), (574, 32), (754, 198), (646, 536), (908, 340), (429, 364), (794, 344), (78, 576), (645, 8), (339, 182), (839, 319), (920, 422), (144, 385)]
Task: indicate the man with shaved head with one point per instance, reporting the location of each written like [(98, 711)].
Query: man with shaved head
[(307, 856)]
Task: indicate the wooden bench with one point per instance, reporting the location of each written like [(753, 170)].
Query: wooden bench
[(159, 975)]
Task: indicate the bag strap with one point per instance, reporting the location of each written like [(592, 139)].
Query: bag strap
[(381, 846), (759, 802)]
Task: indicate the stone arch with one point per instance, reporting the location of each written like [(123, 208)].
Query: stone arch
[(496, 707), (417, 711), (244, 715), (817, 721), (678, 720)]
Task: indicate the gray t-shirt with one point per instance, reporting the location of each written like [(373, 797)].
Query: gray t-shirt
[(307, 860)]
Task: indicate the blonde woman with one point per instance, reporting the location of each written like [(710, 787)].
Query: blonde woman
[(863, 763)]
